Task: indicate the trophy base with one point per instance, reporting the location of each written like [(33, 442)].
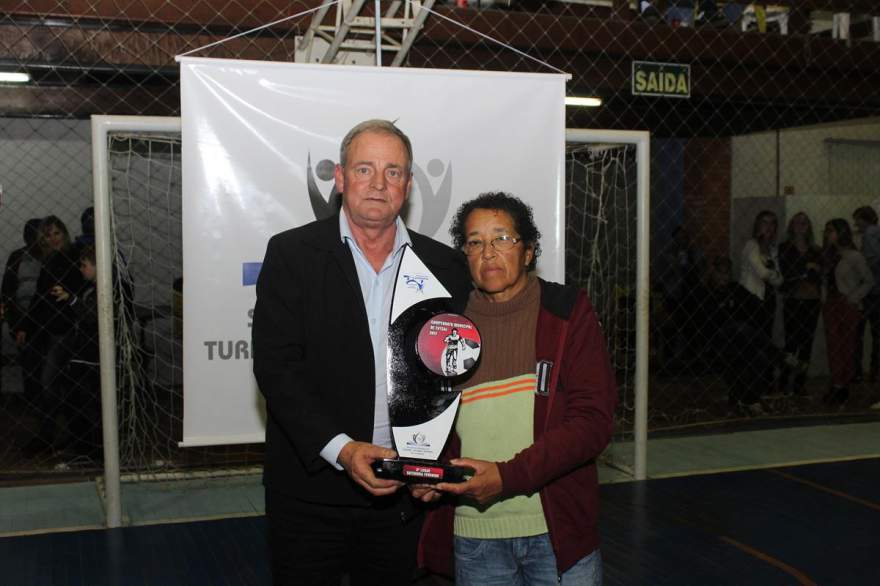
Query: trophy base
[(414, 471)]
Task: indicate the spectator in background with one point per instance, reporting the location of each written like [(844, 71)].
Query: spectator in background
[(20, 274), (82, 397), (679, 270), (18, 288), (649, 12), (79, 353), (865, 219), (732, 343), (847, 281), (759, 274), (759, 268), (121, 276), (681, 266), (800, 262), (87, 222), (47, 321), (703, 12)]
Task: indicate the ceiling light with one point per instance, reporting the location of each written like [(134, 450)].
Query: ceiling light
[(14, 77), (587, 102)]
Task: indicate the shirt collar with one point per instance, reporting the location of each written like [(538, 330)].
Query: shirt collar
[(401, 235)]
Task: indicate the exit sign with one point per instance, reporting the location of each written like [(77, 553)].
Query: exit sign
[(670, 80)]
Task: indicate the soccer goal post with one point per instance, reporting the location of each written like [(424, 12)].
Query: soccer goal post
[(607, 252), (105, 253)]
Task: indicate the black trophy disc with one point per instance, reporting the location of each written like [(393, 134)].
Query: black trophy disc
[(429, 349)]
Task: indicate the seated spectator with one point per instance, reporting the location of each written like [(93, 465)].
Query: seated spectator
[(649, 12), (708, 13), (704, 12)]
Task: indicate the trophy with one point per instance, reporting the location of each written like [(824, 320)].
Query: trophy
[(429, 349)]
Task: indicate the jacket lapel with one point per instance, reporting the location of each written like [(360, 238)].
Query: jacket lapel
[(329, 240), (342, 256)]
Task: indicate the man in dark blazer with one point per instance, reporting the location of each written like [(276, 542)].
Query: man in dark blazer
[(319, 330)]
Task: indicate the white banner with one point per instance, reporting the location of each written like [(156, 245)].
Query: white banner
[(260, 141)]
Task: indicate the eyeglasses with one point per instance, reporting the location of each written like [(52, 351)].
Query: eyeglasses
[(501, 244), (393, 175)]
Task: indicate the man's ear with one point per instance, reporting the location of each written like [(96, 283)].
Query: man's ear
[(409, 181), (339, 178)]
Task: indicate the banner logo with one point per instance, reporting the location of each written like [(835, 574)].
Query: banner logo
[(322, 207), (435, 204)]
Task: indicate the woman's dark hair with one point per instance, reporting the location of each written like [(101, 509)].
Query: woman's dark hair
[(866, 214), (844, 232), (789, 232), (31, 232), (763, 215), (53, 222), (521, 212)]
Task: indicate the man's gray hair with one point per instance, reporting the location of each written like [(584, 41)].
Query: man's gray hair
[(379, 126)]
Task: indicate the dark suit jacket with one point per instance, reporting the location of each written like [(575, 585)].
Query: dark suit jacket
[(313, 357)]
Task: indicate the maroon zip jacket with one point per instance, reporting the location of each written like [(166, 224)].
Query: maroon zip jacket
[(573, 424)]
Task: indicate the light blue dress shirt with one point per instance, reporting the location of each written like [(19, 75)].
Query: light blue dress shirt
[(377, 289)]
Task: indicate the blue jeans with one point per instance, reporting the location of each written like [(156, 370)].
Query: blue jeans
[(519, 561)]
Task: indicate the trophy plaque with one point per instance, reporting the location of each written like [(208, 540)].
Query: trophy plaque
[(429, 349)]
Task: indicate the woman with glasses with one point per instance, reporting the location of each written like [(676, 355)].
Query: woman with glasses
[(533, 417)]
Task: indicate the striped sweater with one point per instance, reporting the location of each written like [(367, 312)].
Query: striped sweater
[(495, 420)]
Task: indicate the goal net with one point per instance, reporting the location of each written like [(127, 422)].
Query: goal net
[(146, 200), (600, 256)]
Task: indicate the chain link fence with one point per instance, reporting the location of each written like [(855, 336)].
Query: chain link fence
[(770, 114)]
